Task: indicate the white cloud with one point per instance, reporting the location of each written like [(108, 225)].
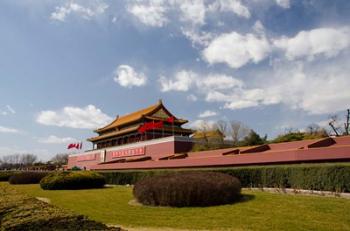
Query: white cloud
[(197, 38), (316, 90), (259, 28), (239, 98), (7, 110), (52, 139), (10, 109), (327, 42), (192, 98), (151, 12), (283, 3), (234, 6), (192, 11), (158, 13), (88, 117), (182, 81), (218, 81), (197, 124), (236, 49), (126, 76), (87, 10), (207, 113), (8, 130), (320, 88)]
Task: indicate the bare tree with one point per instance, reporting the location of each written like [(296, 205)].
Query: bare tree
[(347, 122), (60, 159), (332, 123), (12, 159), (222, 126), (312, 129), (17, 160), (203, 129), (28, 159), (238, 131), (336, 125)]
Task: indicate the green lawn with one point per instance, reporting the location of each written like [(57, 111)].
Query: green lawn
[(262, 211)]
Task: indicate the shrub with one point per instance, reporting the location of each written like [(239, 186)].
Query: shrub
[(75, 168), (20, 212), (73, 180), (324, 177), (27, 177), (321, 176), (5, 175), (130, 177), (295, 136), (188, 189)]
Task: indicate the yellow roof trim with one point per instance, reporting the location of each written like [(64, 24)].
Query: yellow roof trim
[(121, 120), (111, 134)]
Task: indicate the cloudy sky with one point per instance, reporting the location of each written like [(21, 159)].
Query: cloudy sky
[(69, 66)]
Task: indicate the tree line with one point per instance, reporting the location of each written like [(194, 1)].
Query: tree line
[(224, 134), (31, 161)]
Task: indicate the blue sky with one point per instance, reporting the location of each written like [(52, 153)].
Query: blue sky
[(67, 67)]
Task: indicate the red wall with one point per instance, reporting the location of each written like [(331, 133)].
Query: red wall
[(74, 161), (155, 151)]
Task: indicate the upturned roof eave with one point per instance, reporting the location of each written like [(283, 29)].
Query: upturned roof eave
[(139, 115)]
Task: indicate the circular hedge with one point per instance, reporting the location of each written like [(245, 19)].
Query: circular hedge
[(188, 189), (27, 177), (72, 180)]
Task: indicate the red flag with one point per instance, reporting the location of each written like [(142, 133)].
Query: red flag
[(141, 129), (76, 145), (149, 126), (170, 119), (70, 146)]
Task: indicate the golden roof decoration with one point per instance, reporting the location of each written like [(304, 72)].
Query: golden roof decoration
[(135, 116)]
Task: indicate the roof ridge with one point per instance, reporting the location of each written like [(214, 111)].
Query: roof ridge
[(138, 113)]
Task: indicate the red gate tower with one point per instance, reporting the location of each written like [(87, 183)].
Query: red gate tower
[(146, 134)]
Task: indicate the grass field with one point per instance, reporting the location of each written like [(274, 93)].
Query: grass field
[(261, 211)]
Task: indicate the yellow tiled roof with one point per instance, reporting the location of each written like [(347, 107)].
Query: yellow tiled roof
[(135, 116), (181, 121), (131, 117), (116, 133)]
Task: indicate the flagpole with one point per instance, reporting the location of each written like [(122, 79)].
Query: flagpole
[(173, 126)]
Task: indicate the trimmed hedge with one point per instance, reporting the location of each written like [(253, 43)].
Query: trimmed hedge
[(325, 176), (27, 177), (5, 175), (20, 212), (181, 189), (72, 180)]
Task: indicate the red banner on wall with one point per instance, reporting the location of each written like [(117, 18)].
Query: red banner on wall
[(128, 152), (86, 157)]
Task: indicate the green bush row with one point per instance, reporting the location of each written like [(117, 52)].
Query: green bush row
[(72, 180), (5, 175), (326, 177), (27, 177), (21, 212)]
